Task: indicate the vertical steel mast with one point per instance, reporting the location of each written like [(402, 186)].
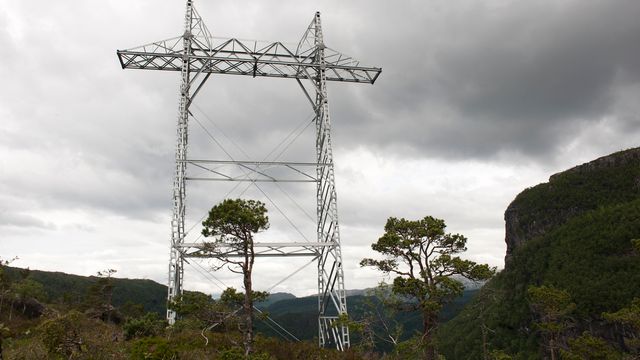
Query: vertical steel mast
[(197, 55), (331, 289), (176, 262)]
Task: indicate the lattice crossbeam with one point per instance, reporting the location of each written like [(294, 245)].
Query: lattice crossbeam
[(253, 58), (200, 250)]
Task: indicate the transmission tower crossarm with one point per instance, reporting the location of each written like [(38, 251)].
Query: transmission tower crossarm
[(242, 57)]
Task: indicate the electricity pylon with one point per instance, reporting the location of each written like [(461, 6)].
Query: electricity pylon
[(197, 55)]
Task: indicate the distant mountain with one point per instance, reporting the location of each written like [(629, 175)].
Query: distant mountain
[(67, 288), (273, 298), (573, 233), (299, 315)]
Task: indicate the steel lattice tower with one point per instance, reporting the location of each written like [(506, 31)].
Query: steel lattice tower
[(197, 55)]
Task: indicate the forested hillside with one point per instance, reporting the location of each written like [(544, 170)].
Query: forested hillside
[(72, 289), (572, 237), (297, 315)]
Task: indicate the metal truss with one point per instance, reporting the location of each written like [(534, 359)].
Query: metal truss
[(197, 55), (241, 57)]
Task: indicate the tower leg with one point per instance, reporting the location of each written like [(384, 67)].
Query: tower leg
[(332, 302), (176, 262)]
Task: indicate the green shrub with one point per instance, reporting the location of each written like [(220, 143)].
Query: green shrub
[(148, 325), (153, 348), (61, 335)]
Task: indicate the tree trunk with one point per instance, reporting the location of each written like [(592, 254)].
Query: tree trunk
[(248, 307), (485, 354), (248, 299), (429, 323)]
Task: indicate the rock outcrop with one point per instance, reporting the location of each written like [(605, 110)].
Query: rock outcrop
[(539, 209)]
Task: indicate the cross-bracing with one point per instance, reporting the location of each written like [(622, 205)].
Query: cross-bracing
[(197, 55)]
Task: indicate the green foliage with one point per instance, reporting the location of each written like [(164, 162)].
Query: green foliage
[(629, 315), (62, 335), (231, 298), (4, 333), (588, 257), (551, 305), (153, 348), (411, 349), (193, 304), (424, 259), (375, 323), (148, 325), (628, 318), (70, 290), (233, 223), (588, 347), (197, 310), (131, 310), (29, 288), (100, 293), (499, 355), (25, 349), (236, 353), (577, 191), (408, 246), (73, 335), (232, 220)]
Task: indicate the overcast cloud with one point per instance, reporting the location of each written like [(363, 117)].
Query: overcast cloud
[(476, 102)]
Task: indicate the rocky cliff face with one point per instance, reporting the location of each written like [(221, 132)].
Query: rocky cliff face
[(537, 210)]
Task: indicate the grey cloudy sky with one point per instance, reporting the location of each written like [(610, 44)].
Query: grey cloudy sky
[(477, 101)]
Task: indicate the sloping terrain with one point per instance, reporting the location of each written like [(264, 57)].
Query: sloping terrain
[(573, 233)]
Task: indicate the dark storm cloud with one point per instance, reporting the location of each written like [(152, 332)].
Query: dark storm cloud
[(79, 134), (481, 79), (460, 80)]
